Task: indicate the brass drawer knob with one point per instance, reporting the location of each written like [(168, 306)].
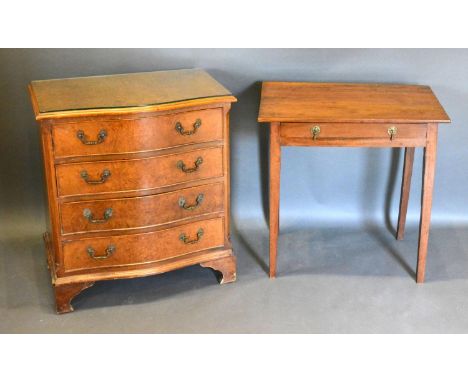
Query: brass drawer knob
[(181, 165), (108, 253), (182, 131), (315, 131), (198, 201), (183, 237), (100, 137), (104, 176), (89, 215), (392, 131)]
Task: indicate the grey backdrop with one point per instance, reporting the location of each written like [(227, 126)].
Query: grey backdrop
[(325, 186), (331, 278)]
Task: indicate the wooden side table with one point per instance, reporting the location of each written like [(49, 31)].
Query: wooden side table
[(354, 115)]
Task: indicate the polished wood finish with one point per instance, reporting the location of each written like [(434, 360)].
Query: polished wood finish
[(140, 212), (131, 271), (149, 229), (121, 91), (138, 134), (426, 199), (135, 174), (225, 267), (346, 142), (144, 247), (50, 256), (65, 293), (353, 134), (275, 172), (344, 102), (405, 191), (353, 115)]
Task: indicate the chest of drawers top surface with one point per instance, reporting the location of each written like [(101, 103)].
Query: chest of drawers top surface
[(150, 91), (346, 102)]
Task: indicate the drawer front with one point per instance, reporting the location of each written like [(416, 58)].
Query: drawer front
[(386, 134), (138, 174), (143, 248), (141, 212), (137, 135)]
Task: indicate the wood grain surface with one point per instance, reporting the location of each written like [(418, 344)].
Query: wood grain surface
[(143, 248), (353, 134), (405, 191), (142, 212), (163, 138), (124, 90), (342, 102), (138, 134), (354, 115), (138, 174)]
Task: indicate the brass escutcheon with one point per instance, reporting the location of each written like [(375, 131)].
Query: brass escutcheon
[(392, 131), (315, 132)]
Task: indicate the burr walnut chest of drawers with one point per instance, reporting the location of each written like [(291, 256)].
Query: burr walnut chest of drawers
[(137, 173)]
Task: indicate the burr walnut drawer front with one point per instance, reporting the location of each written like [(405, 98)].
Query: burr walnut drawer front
[(143, 248), (138, 174), (137, 135), (146, 211), (317, 133)]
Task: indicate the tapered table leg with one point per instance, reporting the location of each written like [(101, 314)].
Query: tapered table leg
[(275, 169), (426, 199), (405, 191)]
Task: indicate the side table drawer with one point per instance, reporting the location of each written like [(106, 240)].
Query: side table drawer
[(139, 212), (137, 135), (138, 174), (375, 133), (143, 248)]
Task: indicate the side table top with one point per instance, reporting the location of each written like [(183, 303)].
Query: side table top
[(346, 102)]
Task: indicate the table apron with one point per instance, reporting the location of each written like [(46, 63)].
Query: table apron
[(349, 142), (353, 134)]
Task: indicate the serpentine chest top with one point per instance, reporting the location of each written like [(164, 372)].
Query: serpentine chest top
[(354, 115), (137, 172)]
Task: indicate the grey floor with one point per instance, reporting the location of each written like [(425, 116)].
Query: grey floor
[(330, 280)]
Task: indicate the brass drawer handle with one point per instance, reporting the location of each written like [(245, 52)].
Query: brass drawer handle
[(392, 131), (182, 131), (89, 215), (181, 165), (100, 137), (104, 176), (315, 132), (183, 237), (183, 203), (109, 252)]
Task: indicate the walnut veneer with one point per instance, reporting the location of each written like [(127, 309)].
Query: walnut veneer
[(137, 173)]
